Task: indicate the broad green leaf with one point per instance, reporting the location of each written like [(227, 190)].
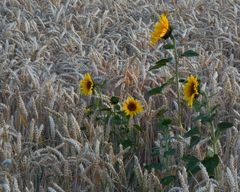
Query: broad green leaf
[(169, 152), (166, 121), (168, 46), (160, 63), (119, 120), (182, 80), (192, 168), (192, 163), (167, 180), (158, 90), (114, 100), (127, 143), (223, 126), (164, 125), (116, 119), (163, 129), (189, 53), (117, 107), (211, 163), (191, 132), (194, 140), (206, 118)]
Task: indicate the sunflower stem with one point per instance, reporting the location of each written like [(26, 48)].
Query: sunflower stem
[(177, 84), (214, 139), (213, 136)]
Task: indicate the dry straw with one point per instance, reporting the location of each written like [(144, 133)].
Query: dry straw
[(45, 49)]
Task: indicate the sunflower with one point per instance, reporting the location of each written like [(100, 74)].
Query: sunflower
[(86, 84), (162, 29), (132, 107), (191, 89)]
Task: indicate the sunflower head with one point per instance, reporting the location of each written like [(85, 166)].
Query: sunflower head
[(191, 89), (132, 107), (86, 84), (162, 29)]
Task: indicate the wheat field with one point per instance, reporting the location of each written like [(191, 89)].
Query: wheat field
[(51, 137)]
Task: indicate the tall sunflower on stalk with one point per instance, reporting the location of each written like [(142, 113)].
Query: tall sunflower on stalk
[(191, 89), (162, 29), (86, 85), (132, 107)]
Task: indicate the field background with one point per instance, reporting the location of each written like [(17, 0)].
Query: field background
[(48, 143)]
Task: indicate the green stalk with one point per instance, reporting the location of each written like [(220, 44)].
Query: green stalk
[(214, 138), (177, 84)]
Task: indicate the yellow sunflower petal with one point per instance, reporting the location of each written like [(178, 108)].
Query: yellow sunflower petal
[(160, 30), (190, 90), (132, 107), (86, 84)]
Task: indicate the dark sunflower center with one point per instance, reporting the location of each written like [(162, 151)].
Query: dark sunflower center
[(169, 31), (89, 84), (192, 90), (132, 107)]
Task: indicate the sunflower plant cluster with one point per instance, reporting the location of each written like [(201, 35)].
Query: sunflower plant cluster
[(114, 113), (204, 124)]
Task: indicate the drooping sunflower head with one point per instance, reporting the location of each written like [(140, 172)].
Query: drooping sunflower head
[(86, 84), (132, 107), (162, 29), (191, 89)]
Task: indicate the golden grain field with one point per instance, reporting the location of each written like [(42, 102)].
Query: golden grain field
[(130, 128)]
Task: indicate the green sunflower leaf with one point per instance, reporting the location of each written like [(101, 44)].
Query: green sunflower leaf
[(194, 141), (158, 90), (189, 53), (192, 163), (168, 46), (166, 121), (223, 126), (167, 180), (169, 152), (114, 100), (211, 163), (127, 143), (182, 80), (160, 63), (119, 119), (192, 132), (206, 118)]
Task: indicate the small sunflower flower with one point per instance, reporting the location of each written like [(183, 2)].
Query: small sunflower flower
[(162, 29), (86, 84), (132, 107), (191, 90)]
